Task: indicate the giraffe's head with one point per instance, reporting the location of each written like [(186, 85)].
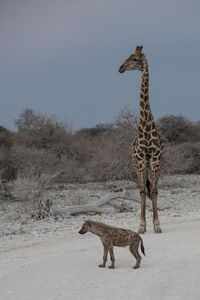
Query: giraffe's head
[(134, 61)]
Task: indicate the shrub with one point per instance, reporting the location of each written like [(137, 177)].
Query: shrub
[(44, 145), (183, 158), (177, 129), (32, 192)]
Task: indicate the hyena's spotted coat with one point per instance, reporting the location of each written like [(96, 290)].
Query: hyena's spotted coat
[(113, 236)]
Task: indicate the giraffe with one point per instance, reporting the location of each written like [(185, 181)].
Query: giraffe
[(147, 150)]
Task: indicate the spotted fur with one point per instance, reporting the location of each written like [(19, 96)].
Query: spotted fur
[(113, 236), (147, 150)]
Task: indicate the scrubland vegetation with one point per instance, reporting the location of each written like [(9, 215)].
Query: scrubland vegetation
[(44, 145), (45, 150)]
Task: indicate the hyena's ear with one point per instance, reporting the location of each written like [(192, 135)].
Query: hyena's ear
[(88, 223)]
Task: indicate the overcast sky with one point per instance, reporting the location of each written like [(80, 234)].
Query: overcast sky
[(62, 57)]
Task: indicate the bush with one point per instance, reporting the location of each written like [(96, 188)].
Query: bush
[(182, 158), (111, 159), (5, 138), (32, 192), (7, 167), (177, 129), (41, 132), (44, 145), (20, 159)]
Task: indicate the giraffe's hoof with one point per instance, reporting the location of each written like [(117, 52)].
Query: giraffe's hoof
[(141, 230), (157, 229)]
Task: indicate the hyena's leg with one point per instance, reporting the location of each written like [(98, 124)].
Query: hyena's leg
[(105, 255), (133, 247), (112, 258), (108, 245)]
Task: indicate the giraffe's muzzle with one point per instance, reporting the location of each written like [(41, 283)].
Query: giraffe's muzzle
[(121, 69)]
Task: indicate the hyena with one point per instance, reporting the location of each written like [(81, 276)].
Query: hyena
[(113, 236)]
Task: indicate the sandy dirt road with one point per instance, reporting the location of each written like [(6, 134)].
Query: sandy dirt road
[(61, 267)]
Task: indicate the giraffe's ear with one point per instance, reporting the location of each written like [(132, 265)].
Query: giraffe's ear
[(139, 49)]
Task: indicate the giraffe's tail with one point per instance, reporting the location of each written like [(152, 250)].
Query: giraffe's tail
[(148, 185)]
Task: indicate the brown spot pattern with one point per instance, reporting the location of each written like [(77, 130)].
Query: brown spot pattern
[(113, 236)]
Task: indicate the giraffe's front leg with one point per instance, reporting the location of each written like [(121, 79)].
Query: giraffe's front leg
[(142, 226), (156, 222), (157, 228), (140, 166)]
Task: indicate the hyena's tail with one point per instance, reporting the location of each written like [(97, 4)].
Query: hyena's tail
[(142, 246)]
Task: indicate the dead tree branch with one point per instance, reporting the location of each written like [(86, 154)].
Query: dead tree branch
[(97, 207)]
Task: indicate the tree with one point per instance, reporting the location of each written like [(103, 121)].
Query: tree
[(126, 120), (27, 120), (5, 138), (176, 129)]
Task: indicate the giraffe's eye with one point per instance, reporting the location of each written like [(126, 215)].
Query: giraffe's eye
[(135, 59)]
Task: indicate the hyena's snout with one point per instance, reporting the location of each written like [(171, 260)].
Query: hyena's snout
[(85, 228)]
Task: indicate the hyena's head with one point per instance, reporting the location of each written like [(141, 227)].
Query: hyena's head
[(86, 227)]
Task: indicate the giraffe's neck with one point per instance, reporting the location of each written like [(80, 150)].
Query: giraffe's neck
[(145, 110)]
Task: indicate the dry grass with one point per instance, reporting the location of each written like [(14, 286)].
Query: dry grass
[(31, 192)]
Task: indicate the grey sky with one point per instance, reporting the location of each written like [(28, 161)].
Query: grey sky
[(62, 57)]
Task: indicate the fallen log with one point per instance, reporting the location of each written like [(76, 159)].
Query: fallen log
[(95, 208)]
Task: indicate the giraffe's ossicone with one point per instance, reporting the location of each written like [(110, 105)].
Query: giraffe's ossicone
[(147, 150)]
